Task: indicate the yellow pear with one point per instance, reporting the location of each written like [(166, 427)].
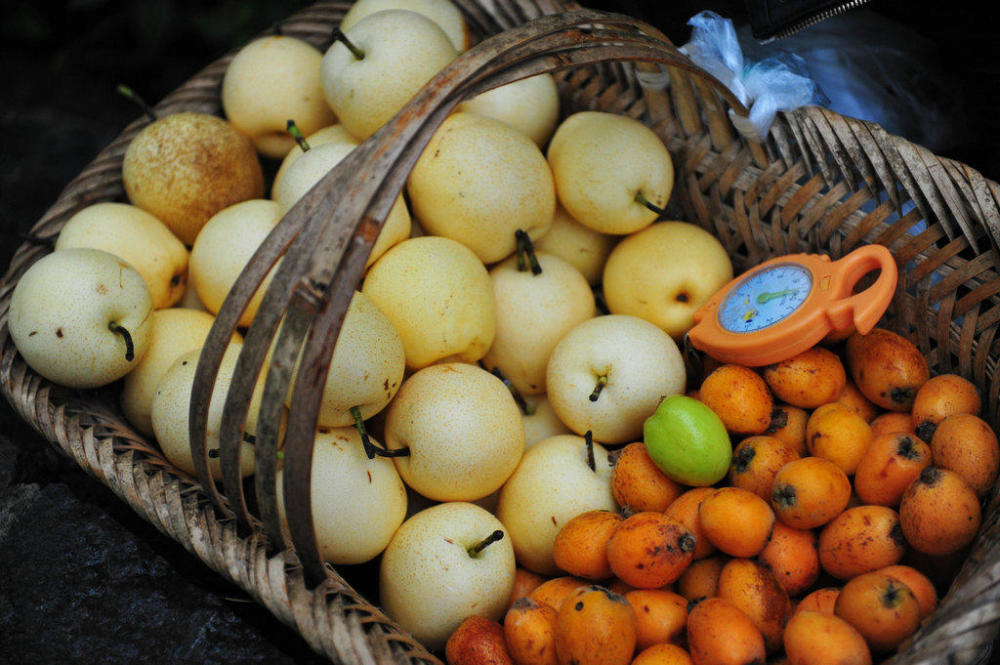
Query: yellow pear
[(478, 181), (175, 331), (315, 163), (357, 503), (184, 168), (80, 317), (367, 366), (582, 246), (463, 430), (529, 105), (269, 81), (443, 12), (223, 249), (399, 51), (439, 297), (609, 373), (540, 421), (134, 235), (533, 314), (554, 483), (328, 134), (432, 577), (664, 273), (604, 164), (170, 412)]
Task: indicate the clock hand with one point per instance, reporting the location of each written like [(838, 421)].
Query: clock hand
[(767, 296)]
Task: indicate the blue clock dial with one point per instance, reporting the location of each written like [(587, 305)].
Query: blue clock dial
[(765, 298)]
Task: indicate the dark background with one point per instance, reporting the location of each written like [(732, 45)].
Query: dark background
[(84, 580)]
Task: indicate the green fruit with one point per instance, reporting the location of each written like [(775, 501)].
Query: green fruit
[(688, 442)]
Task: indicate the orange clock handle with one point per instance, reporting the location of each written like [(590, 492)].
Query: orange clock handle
[(861, 311)]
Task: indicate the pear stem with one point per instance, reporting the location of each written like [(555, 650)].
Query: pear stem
[(477, 549), (130, 94), (339, 36), (249, 438), (371, 450), (129, 345), (518, 398), (601, 382), (525, 248), (642, 200), (213, 453), (588, 439), (296, 133)]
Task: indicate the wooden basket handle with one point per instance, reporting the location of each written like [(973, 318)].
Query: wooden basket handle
[(324, 241)]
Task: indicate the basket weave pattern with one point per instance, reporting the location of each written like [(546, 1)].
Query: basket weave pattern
[(821, 183)]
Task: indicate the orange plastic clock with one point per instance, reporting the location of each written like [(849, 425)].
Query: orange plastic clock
[(790, 303)]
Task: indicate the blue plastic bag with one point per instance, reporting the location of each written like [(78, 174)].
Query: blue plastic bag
[(777, 83)]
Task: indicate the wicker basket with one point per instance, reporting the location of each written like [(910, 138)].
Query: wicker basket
[(821, 183)]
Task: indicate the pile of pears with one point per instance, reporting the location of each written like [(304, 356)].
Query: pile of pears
[(517, 320)]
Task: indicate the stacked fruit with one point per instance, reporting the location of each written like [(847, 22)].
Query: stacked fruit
[(516, 421), (787, 554)]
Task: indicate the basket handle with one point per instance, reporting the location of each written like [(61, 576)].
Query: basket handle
[(325, 240)]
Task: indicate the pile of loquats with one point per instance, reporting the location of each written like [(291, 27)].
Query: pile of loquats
[(853, 492), (504, 349)]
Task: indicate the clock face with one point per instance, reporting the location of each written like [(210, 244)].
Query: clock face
[(765, 298)]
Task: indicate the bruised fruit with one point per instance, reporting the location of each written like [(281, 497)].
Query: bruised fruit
[(660, 616), (939, 513), (736, 521), (792, 557), (477, 641), (740, 397), (887, 368), (942, 396), (580, 547), (638, 484), (595, 626), (719, 632), (861, 540), (530, 632), (881, 608), (967, 445), (811, 378), (756, 460), (650, 550), (809, 492), (890, 464), (753, 588), (814, 638)]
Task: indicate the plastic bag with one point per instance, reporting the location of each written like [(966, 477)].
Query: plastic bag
[(776, 83), (873, 68)]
